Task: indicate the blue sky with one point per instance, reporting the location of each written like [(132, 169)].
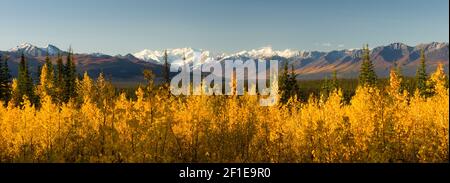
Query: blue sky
[(128, 26)]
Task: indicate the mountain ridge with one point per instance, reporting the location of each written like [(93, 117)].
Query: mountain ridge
[(308, 64)]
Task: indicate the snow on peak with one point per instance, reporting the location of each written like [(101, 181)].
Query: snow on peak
[(177, 56), (52, 50), (29, 49), (288, 53), (267, 52), (397, 46), (196, 57), (436, 45), (147, 55), (24, 47)]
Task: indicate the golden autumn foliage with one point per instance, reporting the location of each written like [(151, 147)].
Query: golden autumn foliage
[(377, 125)]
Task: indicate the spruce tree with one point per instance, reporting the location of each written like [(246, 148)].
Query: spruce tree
[(288, 86), (326, 87), (38, 75), (421, 75), (284, 84), (50, 70), (367, 76), (5, 80), (330, 85), (59, 79), (69, 78), (334, 81), (166, 71), (293, 82), (24, 81)]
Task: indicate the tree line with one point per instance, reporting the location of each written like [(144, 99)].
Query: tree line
[(289, 86), (58, 81)]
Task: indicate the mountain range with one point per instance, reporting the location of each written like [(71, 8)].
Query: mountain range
[(127, 69)]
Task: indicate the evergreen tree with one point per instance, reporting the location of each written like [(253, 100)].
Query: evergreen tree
[(326, 88), (421, 75), (288, 85), (166, 71), (293, 82), (38, 75), (367, 75), (5, 80), (283, 84), (50, 70), (69, 76), (330, 85), (334, 81), (25, 85), (59, 78)]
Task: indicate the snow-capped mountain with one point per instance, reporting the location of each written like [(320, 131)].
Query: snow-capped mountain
[(432, 46), (31, 50), (179, 56), (35, 51), (52, 50), (267, 52), (176, 56)]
